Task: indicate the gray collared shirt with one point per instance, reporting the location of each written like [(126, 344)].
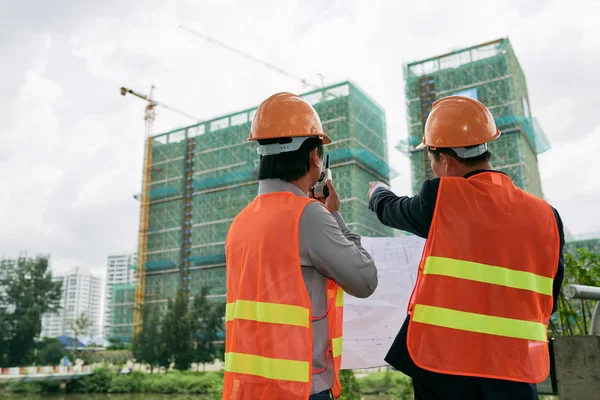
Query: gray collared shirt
[(327, 250)]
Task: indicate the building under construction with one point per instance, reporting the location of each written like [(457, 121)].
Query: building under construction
[(490, 73), (200, 177), (589, 242)]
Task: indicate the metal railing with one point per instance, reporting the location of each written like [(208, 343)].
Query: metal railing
[(586, 293)]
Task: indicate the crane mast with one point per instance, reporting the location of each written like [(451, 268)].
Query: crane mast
[(140, 287)]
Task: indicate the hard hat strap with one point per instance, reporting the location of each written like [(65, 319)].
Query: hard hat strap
[(278, 148), (470, 152)]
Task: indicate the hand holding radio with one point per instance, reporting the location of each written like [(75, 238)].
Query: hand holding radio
[(332, 202), (320, 189), (324, 190)]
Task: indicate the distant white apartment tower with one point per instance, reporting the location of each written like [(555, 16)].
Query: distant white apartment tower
[(5, 264), (81, 294), (118, 271)]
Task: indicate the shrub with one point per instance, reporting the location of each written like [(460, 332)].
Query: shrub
[(204, 384), (25, 387), (183, 383), (50, 352), (115, 357), (391, 383), (98, 382), (127, 383), (350, 386), (33, 387), (162, 383)]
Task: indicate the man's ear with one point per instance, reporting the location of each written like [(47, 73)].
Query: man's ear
[(315, 161), (446, 162)]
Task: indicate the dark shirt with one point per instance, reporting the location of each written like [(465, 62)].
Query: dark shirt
[(414, 215)]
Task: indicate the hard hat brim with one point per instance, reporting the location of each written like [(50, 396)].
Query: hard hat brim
[(324, 138), (498, 133)]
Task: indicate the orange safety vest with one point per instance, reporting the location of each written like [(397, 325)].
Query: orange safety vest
[(483, 297), (268, 342)]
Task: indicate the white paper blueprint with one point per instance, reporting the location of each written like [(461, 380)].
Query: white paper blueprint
[(370, 325)]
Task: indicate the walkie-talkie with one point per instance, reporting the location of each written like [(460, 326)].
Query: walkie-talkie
[(321, 189)]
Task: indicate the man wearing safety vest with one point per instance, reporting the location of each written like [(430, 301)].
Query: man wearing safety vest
[(490, 273), (289, 260)]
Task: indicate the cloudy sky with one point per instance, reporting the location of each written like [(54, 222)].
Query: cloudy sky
[(71, 146)]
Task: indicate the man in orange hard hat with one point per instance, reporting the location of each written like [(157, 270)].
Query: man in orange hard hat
[(289, 260), (491, 269)]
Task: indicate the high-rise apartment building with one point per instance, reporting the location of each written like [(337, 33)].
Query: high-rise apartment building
[(119, 271), (5, 264), (81, 295)]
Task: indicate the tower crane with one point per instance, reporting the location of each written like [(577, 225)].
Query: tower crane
[(140, 287), (252, 58)]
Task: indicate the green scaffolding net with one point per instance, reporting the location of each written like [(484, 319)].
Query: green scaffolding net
[(491, 73), (213, 169)]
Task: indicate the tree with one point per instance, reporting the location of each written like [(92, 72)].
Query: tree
[(198, 315), (187, 333), (207, 322), (115, 344), (79, 327), (28, 293), (176, 330), (350, 385), (149, 346), (573, 316), (50, 352), (212, 328)]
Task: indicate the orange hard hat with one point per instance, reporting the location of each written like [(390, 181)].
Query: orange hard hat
[(286, 115), (458, 122)]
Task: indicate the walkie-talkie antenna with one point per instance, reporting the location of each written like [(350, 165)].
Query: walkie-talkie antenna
[(327, 161)]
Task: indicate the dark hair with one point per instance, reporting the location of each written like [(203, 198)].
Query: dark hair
[(469, 162), (289, 166)]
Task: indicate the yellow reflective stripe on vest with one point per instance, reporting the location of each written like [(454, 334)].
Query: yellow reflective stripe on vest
[(339, 297), (488, 274), (337, 346), (270, 368), (273, 313), (480, 323)]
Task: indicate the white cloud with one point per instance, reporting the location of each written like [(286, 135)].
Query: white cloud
[(570, 184), (71, 146)]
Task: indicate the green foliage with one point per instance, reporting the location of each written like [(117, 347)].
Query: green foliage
[(115, 357), (129, 383), (104, 381), (573, 316), (207, 322), (49, 352), (187, 334), (30, 293), (116, 344), (25, 387), (34, 387), (150, 348), (177, 331), (195, 383), (387, 383), (350, 385), (98, 382)]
